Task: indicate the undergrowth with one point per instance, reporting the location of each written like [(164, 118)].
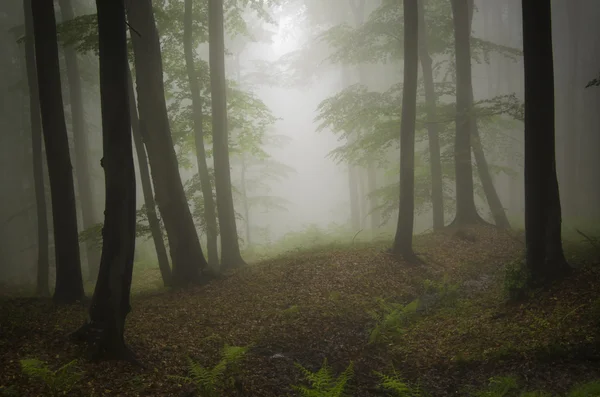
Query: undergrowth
[(323, 383), (58, 382)]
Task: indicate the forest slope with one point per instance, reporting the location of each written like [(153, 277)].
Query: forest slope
[(314, 305)]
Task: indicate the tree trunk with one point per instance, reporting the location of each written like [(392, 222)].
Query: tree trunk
[(544, 258), (42, 288), (354, 201), (110, 303), (186, 253), (404, 232), (155, 230), (207, 191), (82, 169), (373, 204), (230, 247), (69, 283), (437, 196), (466, 212), (245, 200)]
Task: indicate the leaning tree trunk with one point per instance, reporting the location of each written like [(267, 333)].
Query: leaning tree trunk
[(230, 247), (69, 283), (186, 253), (404, 232), (82, 169), (153, 222), (433, 133), (466, 212), (207, 191), (42, 288), (110, 304), (544, 255)]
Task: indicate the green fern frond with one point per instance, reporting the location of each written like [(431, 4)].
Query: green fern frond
[(58, 382), (323, 383), (395, 384)]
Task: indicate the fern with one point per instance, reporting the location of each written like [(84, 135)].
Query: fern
[(209, 380), (589, 389), (392, 320), (323, 383), (396, 385), (58, 382)]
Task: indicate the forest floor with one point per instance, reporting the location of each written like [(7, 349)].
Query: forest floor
[(312, 305)]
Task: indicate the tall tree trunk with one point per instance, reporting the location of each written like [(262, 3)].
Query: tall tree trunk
[(82, 169), (404, 232), (230, 247), (545, 259), (155, 230), (466, 212), (186, 253), (69, 283), (110, 303), (354, 201), (245, 200), (36, 146), (437, 196), (373, 204), (207, 191)]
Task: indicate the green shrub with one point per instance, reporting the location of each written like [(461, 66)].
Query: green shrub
[(208, 381), (323, 383), (396, 385), (58, 382)]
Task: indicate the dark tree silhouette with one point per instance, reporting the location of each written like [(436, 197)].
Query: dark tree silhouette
[(110, 303), (153, 222), (545, 259), (466, 212), (42, 287), (69, 283), (210, 215), (230, 247), (186, 253), (404, 232)]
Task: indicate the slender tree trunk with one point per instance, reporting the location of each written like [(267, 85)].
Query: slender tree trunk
[(404, 232), (82, 169), (153, 222), (230, 247), (354, 201), (373, 204), (545, 259), (207, 191), (69, 283), (245, 200), (186, 253), (437, 196), (110, 303), (466, 212), (36, 144)]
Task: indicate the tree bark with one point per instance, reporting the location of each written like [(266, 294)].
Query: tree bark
[(186, 253), (230, 247), (82, 169), (153, 222), (42, 288), (69, 283), (207, 192), (110, 303), (466, 212), (404, 232), (437, 196), (544, 256), (245, 201)]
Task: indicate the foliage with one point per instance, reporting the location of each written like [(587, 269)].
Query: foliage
[(58, 382), (594, 83), (499, 386), (209, 381), (323, 383), (585, 390), (396, 385), (391, 320)]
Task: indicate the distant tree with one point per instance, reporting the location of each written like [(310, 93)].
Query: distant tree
[(69, 283), (186, 253), (404, 232), (230, 247), (153, 222), (433, 130), (36, 144), (466, 212), (80, 139), (210, 215), (545, 259), (110, 303)]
